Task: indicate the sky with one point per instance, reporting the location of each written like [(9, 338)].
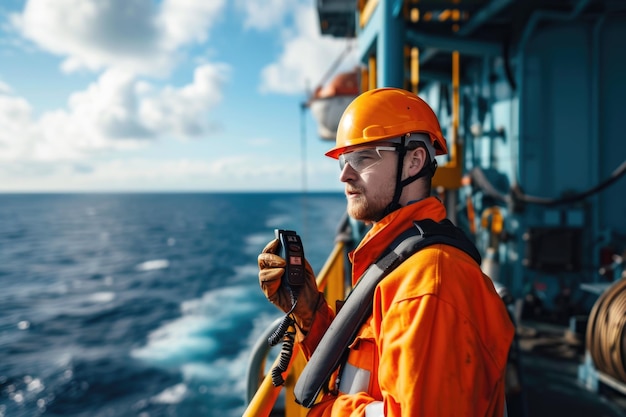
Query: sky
[(163, 95)]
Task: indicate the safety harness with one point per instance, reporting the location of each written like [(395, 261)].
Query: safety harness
[(332, 349), (428, 170)]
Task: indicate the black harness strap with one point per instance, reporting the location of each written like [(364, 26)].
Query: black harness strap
[(358, 305)]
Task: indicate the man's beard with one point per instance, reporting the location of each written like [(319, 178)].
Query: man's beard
[(368, 209)]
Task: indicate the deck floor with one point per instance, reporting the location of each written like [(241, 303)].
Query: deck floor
[(550, 359)]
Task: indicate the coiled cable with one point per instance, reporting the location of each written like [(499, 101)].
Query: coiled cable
[(280, 331), (606, 331), (288, 337), (285, 357)]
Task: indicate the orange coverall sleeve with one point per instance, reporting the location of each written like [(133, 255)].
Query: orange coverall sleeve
[(322, 320)]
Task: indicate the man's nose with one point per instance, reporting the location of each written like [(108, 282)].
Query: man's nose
[(347, 173)]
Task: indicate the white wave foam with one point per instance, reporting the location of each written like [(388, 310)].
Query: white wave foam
[(102, 297), (193, 344), (256, 242), (257, 239), (171, 395), (196, 333), (247, 271), (176, 342), (153, 265), (279, 221)]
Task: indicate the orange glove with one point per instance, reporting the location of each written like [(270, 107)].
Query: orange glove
[(271, 270)]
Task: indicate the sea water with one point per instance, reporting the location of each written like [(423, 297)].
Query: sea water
[(140, 304)]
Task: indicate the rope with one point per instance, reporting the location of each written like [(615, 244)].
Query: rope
[(606, 331)]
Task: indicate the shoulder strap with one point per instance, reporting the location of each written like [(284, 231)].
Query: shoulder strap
[(358, 305)]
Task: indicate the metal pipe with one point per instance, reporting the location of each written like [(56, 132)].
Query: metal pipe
[(453, 43), (482, 16), (257, 360), (390, 45), (262, 403), (595, 148), (455, 150), (539, 15)]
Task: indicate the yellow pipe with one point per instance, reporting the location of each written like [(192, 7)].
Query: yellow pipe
[(415, 70), (265, 397), (449, 175), (455, 99), (330, 261), (366, 9), (372, 73)]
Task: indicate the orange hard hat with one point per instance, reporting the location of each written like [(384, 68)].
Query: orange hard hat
[(383, 114)]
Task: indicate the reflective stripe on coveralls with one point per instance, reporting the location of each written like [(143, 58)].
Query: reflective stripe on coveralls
[(354, 379), (375, 409)]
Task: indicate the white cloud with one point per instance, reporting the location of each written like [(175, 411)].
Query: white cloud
[(17, 129), (187, 21), (229, 173), (306, 57), (4, 88), (116, 112), (182, 112), (81, 146), (265, 14), (138, 36)]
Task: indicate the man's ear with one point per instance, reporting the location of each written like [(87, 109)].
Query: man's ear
[(416, 160)]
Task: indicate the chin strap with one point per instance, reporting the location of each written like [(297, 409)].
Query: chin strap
[(427, 169)]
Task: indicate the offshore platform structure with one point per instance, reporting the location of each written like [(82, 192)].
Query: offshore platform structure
[(531, 97)]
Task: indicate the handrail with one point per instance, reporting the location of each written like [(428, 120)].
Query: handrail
[(326, 271), (264, 399), (257, 362)]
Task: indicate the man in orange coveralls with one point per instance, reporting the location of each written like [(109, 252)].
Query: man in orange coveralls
[(437, 341)]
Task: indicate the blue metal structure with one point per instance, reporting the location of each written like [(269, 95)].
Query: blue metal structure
[(530, 95), (541, 97)]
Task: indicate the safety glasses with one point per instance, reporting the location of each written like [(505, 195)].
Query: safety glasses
[(362, 159)]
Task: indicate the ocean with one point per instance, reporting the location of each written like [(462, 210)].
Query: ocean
[(140, 304)]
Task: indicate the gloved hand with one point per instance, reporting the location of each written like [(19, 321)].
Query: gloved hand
[(271, 270)]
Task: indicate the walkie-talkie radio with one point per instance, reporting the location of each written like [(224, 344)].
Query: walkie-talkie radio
[(293, 279), (294, 256)]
